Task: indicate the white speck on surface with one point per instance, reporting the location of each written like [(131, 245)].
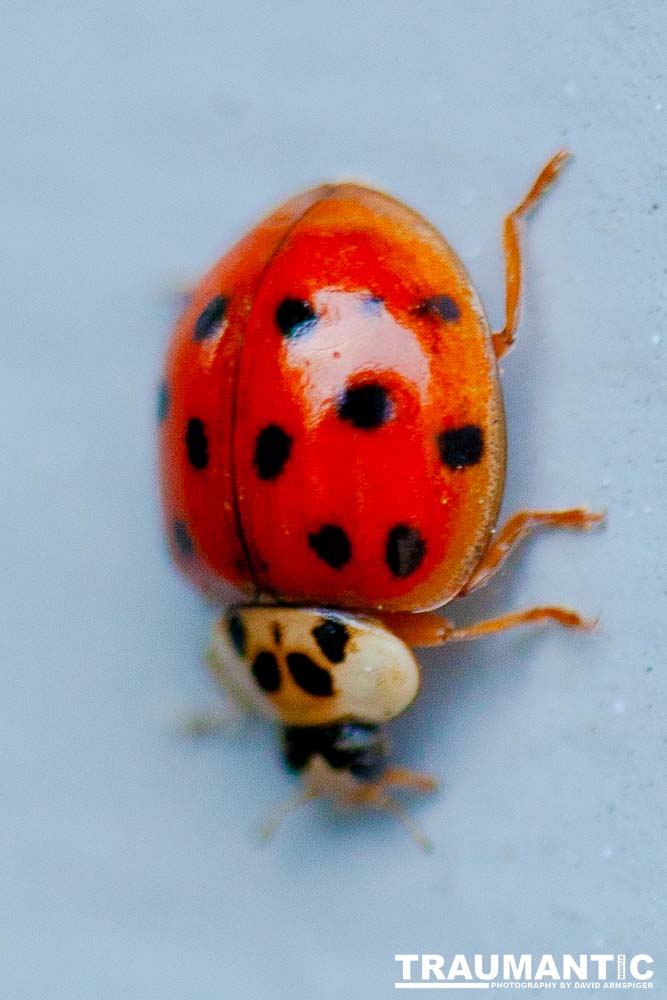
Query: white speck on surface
[(656, 338), (607, 853), (618, 708), (570, 89), (466, 195)]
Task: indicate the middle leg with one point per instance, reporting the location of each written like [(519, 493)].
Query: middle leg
[(519, 527)]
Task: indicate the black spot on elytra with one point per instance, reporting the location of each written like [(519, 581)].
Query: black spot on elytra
[(182, 539), (237, 633), (272, 449), (310, 677), (332, 637), (331, 545), (461, 446), (405, 550), (443, 306), (163, 402), (357, 747), (365, 406), (295, 317), (196, 443), (211, 318), (266, 672)]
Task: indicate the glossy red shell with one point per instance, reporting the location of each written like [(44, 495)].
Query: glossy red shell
[(375, 275)]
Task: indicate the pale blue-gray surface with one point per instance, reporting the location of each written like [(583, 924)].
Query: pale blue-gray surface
[(138, 141)]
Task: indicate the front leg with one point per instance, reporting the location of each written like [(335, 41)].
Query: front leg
[(531, 616), (519, 527), (429, 629)]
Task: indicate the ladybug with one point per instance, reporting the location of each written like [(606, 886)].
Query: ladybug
[(332, 445)]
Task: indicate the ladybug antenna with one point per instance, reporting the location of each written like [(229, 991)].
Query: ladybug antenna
[(373, 796)]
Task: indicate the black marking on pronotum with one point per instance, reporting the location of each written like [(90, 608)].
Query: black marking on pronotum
[(272, 449), (461, 446), (294, 317), (332, 637), (365, 406), (405, 550), (196, 443), (182, 538), (237, 633), (266, 672), (331, 545), (212, 318), (310, 677), (163, 402), (357, 747), (277, 632), (443, 306)]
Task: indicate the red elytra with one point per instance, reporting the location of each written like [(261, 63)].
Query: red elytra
[(332, 428), (378, 417)]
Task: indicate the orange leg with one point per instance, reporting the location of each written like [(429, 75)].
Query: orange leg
[(532, 616), (504, 339), (413, 781), (429, 629), (517, 529)]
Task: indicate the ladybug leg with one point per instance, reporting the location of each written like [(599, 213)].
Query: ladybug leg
[(531, 616), (436, 631), (504, 339), (519, 527), (423, 628), (269, 827), (377, 797)]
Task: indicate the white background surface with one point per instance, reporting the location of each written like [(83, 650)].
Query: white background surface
[(138, 142)]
